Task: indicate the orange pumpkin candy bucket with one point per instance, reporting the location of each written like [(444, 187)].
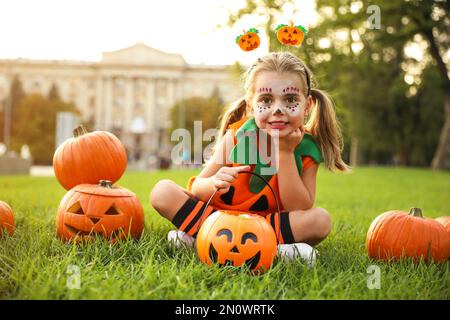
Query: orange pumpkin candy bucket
[(237, 238)]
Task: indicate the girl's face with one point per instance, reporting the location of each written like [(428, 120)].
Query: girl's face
[(278, 102)]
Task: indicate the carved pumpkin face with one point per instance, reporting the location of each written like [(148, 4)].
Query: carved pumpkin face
[(105, 210), (7, 222), (249, 40), (236, 238), (290, 35)]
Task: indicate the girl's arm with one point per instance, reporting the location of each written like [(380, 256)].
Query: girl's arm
[(216, 174), (296, 193)]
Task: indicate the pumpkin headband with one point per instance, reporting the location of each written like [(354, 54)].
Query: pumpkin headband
[(289, 35)]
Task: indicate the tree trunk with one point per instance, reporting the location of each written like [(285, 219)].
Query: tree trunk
[(354, 152), (441, 159)]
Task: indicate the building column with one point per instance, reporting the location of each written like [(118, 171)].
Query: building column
[(99, 114), (108, 104), (129, 104), (151, 115)]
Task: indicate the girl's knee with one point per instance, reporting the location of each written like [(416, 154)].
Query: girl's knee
[(161, 193), (323, 222)]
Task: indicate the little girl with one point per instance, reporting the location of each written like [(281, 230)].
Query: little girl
[(280, 101)]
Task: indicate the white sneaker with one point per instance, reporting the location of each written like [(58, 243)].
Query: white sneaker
[(180, 238), (303, 251)]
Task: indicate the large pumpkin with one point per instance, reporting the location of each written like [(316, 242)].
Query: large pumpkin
[(236, 238), (109, 211), (249, 40), (290, 35), (397, 234), (89, 158), (445, 221), (6, 218)]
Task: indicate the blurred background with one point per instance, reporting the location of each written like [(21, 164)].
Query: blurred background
[(141, 69)]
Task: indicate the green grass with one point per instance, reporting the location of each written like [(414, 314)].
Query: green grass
[(34, 264)]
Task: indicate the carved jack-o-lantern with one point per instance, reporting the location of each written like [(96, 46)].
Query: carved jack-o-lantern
[(105, 210), (249, 40), (291, 35), (236, 239), (7, 222)]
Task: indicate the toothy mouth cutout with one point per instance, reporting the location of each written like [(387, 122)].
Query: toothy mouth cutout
[(251, 262)]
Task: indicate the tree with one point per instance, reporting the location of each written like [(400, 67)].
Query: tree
[(8, 116), (36, 125), (402, 24), (53, 93), (206, 110)]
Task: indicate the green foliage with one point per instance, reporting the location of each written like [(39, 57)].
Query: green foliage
[(34, 263), (35, 125), (206, 110), (394, 121), (389, 121)]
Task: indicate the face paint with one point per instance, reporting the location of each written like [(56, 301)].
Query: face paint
[(294, 106), (264, 90), (291, 90)]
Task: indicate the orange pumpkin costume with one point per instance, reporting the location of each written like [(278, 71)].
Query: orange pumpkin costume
[(242, 198)]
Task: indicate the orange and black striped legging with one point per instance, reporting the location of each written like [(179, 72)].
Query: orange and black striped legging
[(187, 219)]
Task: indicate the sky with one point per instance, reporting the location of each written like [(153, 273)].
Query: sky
[(83, 29)]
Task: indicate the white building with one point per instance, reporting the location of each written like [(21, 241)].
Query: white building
[(129, 92)]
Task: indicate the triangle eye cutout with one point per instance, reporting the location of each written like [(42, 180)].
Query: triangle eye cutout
[(112, 211), (76, 208)]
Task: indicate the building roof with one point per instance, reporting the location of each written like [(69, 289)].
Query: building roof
[(141, 54)]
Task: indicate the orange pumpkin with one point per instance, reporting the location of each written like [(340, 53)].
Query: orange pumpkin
[(88, 158), (249, 40), (105, 210), (6, 218), (397, 234), (291, 35), (235, 238), (445, 221)]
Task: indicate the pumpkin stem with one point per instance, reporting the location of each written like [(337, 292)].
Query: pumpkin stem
[(416, 212), (79, 131), (105, 183), (292, 23)]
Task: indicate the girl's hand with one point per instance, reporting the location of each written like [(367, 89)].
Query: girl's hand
[(292, 140), (223, 178)]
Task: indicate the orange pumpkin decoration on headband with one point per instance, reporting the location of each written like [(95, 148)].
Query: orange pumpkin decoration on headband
[(235, 238), (7, 222), (249, 40), (89, 158), (397, 234), (105, 210), (291, 35)]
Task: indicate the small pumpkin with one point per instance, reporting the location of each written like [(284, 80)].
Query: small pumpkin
[(235, 238), (249, 40), (7, 222), (397, 234), (106, 210), (445, 221), (291, 35), (89, 158)]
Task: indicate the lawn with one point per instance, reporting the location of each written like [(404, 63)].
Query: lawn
[(34, 264)]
